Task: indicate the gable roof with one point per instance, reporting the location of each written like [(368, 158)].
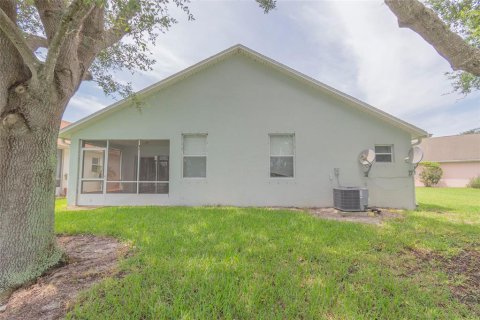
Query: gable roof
[(64, 124), (452, 148), (414, 131)]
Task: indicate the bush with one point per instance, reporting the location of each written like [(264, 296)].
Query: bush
[(431, 173), (474, 183)]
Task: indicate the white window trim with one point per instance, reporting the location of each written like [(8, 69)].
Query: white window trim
[(391, 153), (204, 134), (294, 155)]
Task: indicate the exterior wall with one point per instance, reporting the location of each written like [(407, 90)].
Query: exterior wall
[(238, 102), (62, 190), (65, 170), (455, 174)]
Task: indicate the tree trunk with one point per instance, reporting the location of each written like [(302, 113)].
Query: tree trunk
[(27, 187)]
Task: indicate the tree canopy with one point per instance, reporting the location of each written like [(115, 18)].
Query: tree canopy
[(102, 25), (452, 27), (463, 17)]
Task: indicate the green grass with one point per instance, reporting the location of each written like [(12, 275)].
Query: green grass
[(247, 263)]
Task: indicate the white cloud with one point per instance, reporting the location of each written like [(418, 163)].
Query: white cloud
[(88, 104), (452, 122), (396, 69), (330, 61), (168, 61)]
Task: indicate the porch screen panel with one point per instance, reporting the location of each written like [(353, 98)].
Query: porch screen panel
[(93, 161), (122, 166), (93, 167), (154, 166), (94, 144), (89, 186)]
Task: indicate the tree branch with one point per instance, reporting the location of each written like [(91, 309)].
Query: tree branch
[(120, 28), (90, 36), (112, 36), (51, 12), (87, 76), (414, 15), (35, 42), (70, 20), (14, 34)]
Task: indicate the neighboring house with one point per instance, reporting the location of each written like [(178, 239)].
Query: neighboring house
[(63, 160), (238, 129), (459, 158)]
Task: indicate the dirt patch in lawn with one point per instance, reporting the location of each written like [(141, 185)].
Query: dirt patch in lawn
[(462, 270), (90, 259), (360, 217)]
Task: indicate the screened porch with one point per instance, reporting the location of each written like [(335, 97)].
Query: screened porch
[(124, 167)]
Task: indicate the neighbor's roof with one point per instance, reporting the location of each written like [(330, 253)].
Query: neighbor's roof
[(459, 148), (414, 131), (64, 124), (62, 143)]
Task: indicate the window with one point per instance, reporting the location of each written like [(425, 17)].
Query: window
[(132, 166), (194, 155), (384, 153), (96, 165), (282, 155)]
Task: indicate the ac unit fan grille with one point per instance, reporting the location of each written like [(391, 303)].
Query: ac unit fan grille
[(350, 199)]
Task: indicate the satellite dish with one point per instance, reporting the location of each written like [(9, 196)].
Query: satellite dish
[(366, 159), (415, 155)]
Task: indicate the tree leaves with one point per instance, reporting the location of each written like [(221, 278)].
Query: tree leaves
[(462, 17), (132, 26)]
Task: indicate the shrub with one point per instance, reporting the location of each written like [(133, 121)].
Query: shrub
[(431, 173), (474, 183)]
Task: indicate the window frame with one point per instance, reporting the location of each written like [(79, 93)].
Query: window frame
[(391, 153), (205, 134), (293, 156)]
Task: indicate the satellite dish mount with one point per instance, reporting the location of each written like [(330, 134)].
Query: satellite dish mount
[(366, 158), (415, 155)]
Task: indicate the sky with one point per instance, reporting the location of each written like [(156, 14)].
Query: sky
[(353, 46)]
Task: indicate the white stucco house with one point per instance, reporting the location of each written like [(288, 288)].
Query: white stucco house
[(238, 129)]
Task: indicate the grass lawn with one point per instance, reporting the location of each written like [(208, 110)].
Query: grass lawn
[(244, 263)]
